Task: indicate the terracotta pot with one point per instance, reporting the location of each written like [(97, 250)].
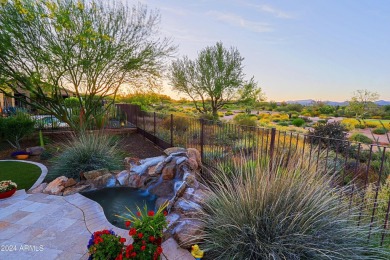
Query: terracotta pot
[(7, 194), (22, 156)]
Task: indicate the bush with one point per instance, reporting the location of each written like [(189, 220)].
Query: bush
[(372, 124), (245, 120), (15, 128), (361, 138), (294, 215), (332, 134), (284, 123), (180, 123), (298, 122), (380, 131), (86, 152)]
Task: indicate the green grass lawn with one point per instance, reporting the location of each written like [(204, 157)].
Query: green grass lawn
[(23, 174)]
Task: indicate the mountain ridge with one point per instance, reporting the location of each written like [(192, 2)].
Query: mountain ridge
[(306, 102)]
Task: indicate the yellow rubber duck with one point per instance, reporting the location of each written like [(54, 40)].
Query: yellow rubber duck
[(196, 252)]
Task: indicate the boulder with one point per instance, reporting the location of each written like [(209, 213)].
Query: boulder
[(123, 177), (192, 164), (56, 187), (171, 150), (38, 189), (129, 162), (191, 180), (168, 173), (188, 193), (135, 181), (186, 207), (188, 232), (90, 175), (160, 201), (163, 189), (107, 180), (200, 196), (152, 171), (35, 150), (194, 154), (159, 167), (75, 189), (172, 220), (70, 182)]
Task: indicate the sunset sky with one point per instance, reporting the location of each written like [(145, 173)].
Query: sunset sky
[(323, 50)]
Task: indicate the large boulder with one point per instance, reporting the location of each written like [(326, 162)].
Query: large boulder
[(70, 182), (130, 162), (172, 150), (75, 189), (135, 181), (39, 188), (56, 187), (187, 207), (163, 189), (189, 232), (35, 150), (194, 154), (123, 177), (106, 180), (169, 171), (90, 175)]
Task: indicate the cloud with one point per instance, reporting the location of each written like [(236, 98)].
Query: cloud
[(238, 21), (272, 10)]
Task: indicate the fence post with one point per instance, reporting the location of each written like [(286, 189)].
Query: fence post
[(154, 127), (171, 130), (143, 117), (272, 147), (201, 139)]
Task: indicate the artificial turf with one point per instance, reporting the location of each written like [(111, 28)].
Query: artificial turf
[(23, 174)]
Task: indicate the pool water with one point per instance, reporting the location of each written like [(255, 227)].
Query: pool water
[(115, 200)]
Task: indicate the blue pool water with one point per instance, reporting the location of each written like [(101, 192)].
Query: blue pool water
[(115, 200)]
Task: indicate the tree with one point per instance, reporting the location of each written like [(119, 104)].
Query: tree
[(251, 95), (362, 102), (211, 80), (86, 49)]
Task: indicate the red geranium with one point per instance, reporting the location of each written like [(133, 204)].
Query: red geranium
[(143, 248), (127, 223), (132, 231), (150, 213), (140, 235)]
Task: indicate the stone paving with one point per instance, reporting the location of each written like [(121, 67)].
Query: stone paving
[(41, 226)]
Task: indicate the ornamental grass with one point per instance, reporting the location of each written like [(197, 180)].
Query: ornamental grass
[(283, 213)]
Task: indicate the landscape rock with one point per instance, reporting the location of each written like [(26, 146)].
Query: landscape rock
[(152, 171), (123, 177), (186, 207), (135, 181), (200, 196), (35, 150), (129, 162), (171, 150), (188, 193), (76, 189), (160, 201), (107, 180), (192, 164), (90, 175), (70, 182), (168, 173), (38, 189), (188, 232), (56, 187), (163, 189), (194, 154), (190, 180)]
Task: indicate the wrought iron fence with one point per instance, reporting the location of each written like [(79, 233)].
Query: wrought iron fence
[(364, 167)]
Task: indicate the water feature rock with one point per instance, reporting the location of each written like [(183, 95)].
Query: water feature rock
[(135, 181), (35, 150), (56, 187), (129, 162), (169, 171), (191, 180), (171, 150), (172, 220), (75, 189), (90, 175), (160, 201), (186, 207), (70, 182), (39, 188), (188, 232), (107, 180), (146, 163), (200, 196), (162, 189), (123, 177), (188, 193), (180, 160), (194, 154), (152, 171)]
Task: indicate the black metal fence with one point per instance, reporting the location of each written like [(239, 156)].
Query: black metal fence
[(364, 167)]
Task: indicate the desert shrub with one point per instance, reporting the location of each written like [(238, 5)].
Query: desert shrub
[(350, 123), (86, 152), (380, 131), (245, 120), (283, 123), (264, 116), (361, 138), (298, 122), (376, 117), (332, 134), (180, 123), (14, 128), (228, 113), (360, 126), (295, 214), (372, 124)]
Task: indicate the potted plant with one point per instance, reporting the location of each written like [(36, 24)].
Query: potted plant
[(7, 188), (20, 155)]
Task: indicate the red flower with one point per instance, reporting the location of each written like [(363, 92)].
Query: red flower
[(127, 223), (130, 248), (98, 240), (159, 250), (140, 235), (152, 238), (165, 213), (132, 232), (139, 214), (143, 248), (143, 242), (158, 241), (150, 213), (155, 256), (134, 254), (119, 257), (122, 240)]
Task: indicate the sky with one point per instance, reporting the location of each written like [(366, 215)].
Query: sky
[(312, 49)]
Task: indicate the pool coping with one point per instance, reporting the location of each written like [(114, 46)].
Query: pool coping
[(40, 165)]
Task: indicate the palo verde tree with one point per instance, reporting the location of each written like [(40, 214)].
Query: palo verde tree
[(362, 102), (86, 49), (211, 80)]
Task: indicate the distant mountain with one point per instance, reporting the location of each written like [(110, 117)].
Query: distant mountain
[(306, 102)]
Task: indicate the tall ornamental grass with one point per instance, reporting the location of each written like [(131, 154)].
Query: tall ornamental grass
[(86, 152), (284, 213)]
